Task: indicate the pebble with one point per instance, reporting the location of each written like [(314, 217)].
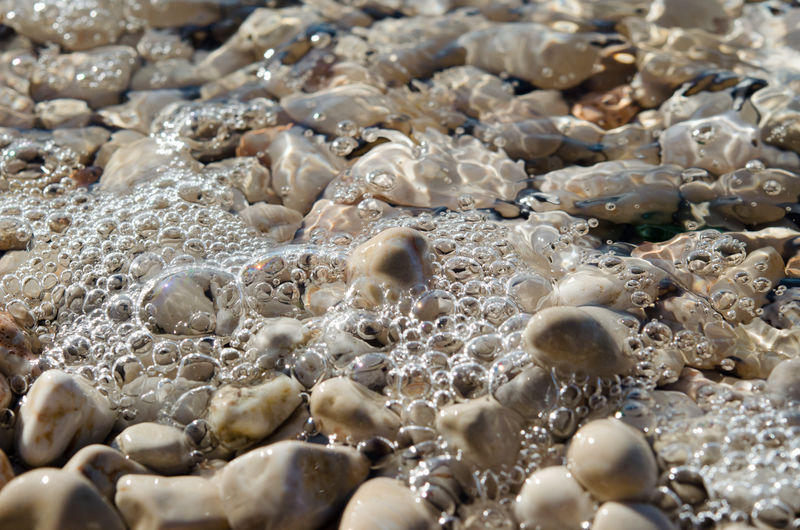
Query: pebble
[(630, 516), (74, 76), (6, 471), (276, 339), (551, 499), (301, 169), (587, 338), (345, 409), (103, 466), (275, 221), (16, 354), (289, 485), (60, 414), (239, 417), (387, 504), (784, 379), (396, 259), (530, 393), (249, 176), (139, 161), (162, 448), (486, 433), (612, 461), (151, 501), (49, 498), (57, 113)]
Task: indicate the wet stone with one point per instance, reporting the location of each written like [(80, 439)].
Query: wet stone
[(345, 410), (612, 461), (289, 485), (162, 448), (241, 416), (151, 501), (60, 414), (51, 498), (552, 498), (588, 339)]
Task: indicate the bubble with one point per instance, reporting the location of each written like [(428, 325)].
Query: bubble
[(380, 181)]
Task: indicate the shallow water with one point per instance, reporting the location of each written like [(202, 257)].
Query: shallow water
[(638, 156)]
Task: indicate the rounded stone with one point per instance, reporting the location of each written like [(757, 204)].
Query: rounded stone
[(612, 460), (151, 501), (60, 414), (346, 409), (785, 379), (397, 257), (162, 448), (51, 498), (630, 516), (487, 433), (289, 485), (387, 504), (551, 499), (578, 339), (242, 416)]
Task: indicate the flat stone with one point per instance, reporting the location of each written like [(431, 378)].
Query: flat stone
[(612, 460), (346, 409), (387, 504), (151, 501), (103, 466), (60, 414), (50, 498), (487, 434), (551, 499), (289, 485), (162, 448), (242, 416), (586, 339)]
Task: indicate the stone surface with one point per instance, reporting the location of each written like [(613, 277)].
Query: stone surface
[(785, 379), (387, 504), (630, 516), (578, 339), (551, 499), (612, 461), (60, 414), (6, 471), (103, 466), (530, 393), (346, 409), (289, 485), (162, 448), (16, 354), (151, 501), (49, 498), (487, 434), (57, 113), (274, 220), (396, 259), (242, 416)]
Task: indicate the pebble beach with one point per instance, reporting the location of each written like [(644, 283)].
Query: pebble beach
[(399, 265)]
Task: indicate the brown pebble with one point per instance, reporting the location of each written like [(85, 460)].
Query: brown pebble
[(610, 109)]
